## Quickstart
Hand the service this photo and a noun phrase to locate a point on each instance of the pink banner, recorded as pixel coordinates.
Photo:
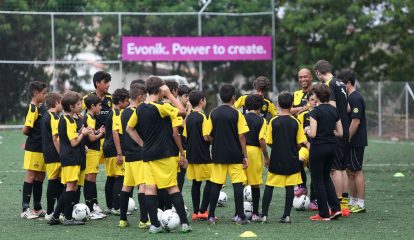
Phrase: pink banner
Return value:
(196, 48)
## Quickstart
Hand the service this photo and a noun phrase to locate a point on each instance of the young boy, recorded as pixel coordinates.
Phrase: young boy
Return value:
(284, 135)
(228, 127)
(198, 154)
(152, 122)
(51, 147)
(261, 87)
(256, 148)
(34, 162)
(114, 159)
(93, 155)
(134, 169)
(70, 156)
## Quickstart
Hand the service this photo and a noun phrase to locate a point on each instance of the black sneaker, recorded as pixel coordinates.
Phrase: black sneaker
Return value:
(54, 221)
(72, 222)
(285, 220)
(240, 221)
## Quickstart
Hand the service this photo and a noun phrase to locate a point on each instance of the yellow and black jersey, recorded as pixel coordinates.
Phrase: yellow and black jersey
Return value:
(179, 122)
(82, 149)
(90, 121)
(300, 98)
(196, 127)
(304, 120)
(113, 123)
(257, 126)
(268, 106)
(338, 94)
(34, 138)
(284, 134)
(49, 126)
(107, 106)
(153, 122)
(226, 124)
(131, 150)
(67, 130)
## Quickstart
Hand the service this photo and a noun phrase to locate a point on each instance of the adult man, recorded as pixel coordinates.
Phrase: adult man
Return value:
(300, 96)
(338, 99)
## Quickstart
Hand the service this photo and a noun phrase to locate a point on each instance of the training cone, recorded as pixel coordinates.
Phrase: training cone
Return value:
(248, 234)
(399, 174)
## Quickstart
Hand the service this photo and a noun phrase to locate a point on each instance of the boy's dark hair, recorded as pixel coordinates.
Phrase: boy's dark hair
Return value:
(120, 95)
(322, 66)
(36, 86)
(153, 84)
(101, 75)
(322, 92)
(285, 100)
(70, 99)
(347, 76)
(172, 85)
(137, 81)
(183, 89)
(261, 84)
(90, 100)
(254, 102)
(51, 99)
(227, 91)
(309, 95)
(195, 97)
(136, 90)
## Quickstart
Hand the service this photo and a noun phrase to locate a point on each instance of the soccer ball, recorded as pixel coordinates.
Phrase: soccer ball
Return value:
(222, 199)
(301, 203)
(187, 212)
(170, 220)
(247, 193)
(248, 209)
(159, 214)
(131, 205)
(80, 212)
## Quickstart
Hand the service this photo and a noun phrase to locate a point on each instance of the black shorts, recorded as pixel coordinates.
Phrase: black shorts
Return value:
(355, 158)
(339, 162)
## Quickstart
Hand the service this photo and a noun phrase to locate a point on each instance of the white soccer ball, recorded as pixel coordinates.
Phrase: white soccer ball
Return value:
(222, 199)
(248, 209)
(247, 193)
(80, 212)
(170, 220)
(159, 214)
(187, 212)
(131, 205)
(301, 203)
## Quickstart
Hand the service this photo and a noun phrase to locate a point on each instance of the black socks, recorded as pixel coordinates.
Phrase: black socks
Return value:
(124, 200)
(256, 199)
(109, 186)
(70, 201)
(27, 194)
(178, 201)
(267, 198)
(54, 190)
(206, 197)
(214, 195)
(116, 192)
(288, 200)
(151, 203)
(142, 208)
(37, 195)
(195, 195)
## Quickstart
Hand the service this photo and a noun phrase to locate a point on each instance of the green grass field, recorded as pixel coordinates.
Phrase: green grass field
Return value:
(389, 200)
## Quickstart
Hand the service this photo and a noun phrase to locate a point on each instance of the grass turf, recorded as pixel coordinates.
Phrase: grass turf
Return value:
(389, 200)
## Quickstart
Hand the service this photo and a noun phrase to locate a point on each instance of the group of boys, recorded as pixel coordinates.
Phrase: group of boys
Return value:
(155, 133)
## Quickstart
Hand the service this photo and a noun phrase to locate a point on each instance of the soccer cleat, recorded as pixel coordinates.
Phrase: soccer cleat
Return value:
(72, 222)
(335, 215)
(211, 220)
(185, 228)
(203, 216)
(301, 191)
(318, 218)
(48, 216)
(345, 212)
(357, 209)
(54, 221)
(235, 218)
(313, 206)
(96, 216)
(107, 211)
(285, 220)
(128, 213)
(240, 221)
(39, 213)
(264, 219)
(195, 217)
(352, 207)
(96, 208)
(28, 214)
(144, 225)
(115, 212)
(123, 224)
(256, 218)
(154, 229)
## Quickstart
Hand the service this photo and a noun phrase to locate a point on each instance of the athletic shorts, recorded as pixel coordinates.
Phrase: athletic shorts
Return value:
(254, 171)
(134, 173)
(220, 171)
(304, 156)
(161, 172)
(355, 158)
(101, 158)
(53, 170)
(178, 163)
(339, 162)
(92, 161)
(112, 169)
(71, 174)
(34, 161)
(276, 180)
(81, 181)
(199, 172)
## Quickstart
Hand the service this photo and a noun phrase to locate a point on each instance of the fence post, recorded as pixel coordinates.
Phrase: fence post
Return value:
(379, 110)
(121, 74)
(406, 110)
(52, 31)
(272, 4)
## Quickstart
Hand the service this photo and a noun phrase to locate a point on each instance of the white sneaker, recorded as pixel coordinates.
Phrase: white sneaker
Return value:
(116, 212)
(95, 216)
(129, 213)
(101, 214)
(256, 218)
(48, 216)
(96, 208)
(28, 214)
(40, 213)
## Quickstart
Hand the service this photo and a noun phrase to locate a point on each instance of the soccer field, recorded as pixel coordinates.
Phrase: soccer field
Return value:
(389, 200)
